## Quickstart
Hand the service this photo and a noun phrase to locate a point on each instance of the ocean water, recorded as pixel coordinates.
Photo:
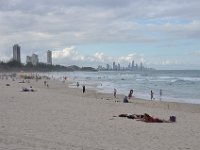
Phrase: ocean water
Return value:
(176, 85)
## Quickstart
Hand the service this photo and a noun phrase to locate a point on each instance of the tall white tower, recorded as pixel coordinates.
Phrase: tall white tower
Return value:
(16, 53)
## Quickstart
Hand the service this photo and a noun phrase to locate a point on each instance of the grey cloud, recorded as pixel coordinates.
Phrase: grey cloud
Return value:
(50, 5)
(71, 56)
(178, 31)
(131, 9)
(51, 24)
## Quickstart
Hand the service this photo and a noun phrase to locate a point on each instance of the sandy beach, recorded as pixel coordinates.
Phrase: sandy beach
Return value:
(62, 118)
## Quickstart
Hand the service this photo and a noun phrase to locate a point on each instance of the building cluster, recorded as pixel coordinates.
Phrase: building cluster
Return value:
(34, 60)
(117, 67)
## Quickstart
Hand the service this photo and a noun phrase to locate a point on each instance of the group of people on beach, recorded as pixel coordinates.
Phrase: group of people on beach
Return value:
(160, 93)
(130, 95)
(84, 88)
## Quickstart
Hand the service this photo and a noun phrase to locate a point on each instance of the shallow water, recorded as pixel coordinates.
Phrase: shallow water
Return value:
(179, 86)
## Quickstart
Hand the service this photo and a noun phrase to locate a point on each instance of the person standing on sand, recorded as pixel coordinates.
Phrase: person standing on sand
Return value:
(160, 94)
(83, 89)
(152, 95)
(115, 93)
(77, 84)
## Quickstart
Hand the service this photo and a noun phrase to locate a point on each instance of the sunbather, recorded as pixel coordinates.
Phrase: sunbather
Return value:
(146, 118)
(131, 116)
(24, 89)
(150, 119)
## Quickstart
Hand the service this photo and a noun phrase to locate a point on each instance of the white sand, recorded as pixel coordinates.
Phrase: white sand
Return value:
(60, 118)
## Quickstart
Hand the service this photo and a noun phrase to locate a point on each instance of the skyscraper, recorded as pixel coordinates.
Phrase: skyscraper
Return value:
(114, 66)
(28, 59)
(107, 66)
(133, 64)
(49, 57)
(16, 53)
(34, 59)
(118, 67)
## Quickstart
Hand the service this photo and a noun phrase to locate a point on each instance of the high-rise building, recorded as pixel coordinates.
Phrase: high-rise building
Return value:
(114, 66)
(141, 66)
(16, 53)
(32, 59)
(49, 57)
(133, 64)
(100, 67)
(35, 59)
(28, 59)
(107, 66)
(118, 67)
(129, 66)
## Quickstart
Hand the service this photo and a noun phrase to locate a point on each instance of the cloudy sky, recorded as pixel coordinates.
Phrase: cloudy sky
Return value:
(163, 34)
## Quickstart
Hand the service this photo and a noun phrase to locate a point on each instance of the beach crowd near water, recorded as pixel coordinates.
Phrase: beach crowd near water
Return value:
(45, 111)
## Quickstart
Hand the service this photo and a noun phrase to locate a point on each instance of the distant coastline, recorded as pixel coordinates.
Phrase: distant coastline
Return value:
(14, 66)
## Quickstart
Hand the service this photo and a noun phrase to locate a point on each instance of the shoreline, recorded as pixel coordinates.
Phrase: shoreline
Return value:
(167, 105)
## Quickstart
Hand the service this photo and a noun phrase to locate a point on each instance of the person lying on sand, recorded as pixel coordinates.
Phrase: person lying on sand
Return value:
(24, 89)
(131, 116)
(22, 81)
(147, 118)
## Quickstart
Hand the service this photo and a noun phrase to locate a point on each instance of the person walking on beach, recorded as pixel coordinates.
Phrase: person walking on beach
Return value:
(115, 93)
(45, 83)
(65, 78)
(77, 84)
(130, 94)
(152, 95)
(160, 94)
(83, 89)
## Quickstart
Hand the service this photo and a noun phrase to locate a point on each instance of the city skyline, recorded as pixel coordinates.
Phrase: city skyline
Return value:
(130, 67)
(34, 60)
(160, 34)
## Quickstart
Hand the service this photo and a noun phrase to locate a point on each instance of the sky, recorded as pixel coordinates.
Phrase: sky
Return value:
(162, 34)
